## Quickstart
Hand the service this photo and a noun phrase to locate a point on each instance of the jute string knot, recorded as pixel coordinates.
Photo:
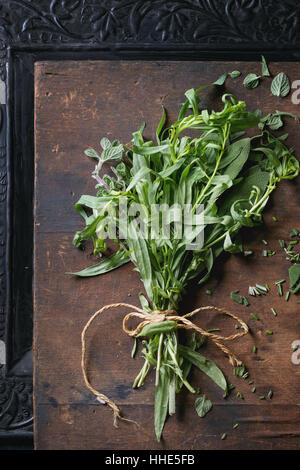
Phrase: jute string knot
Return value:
(158, 316)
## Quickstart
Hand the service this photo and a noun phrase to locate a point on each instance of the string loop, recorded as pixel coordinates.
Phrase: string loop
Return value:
(158, 316)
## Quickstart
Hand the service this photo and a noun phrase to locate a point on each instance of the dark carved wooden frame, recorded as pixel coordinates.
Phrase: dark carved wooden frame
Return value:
(32, 30)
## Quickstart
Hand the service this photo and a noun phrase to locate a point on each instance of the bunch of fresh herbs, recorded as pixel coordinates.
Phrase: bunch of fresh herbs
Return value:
(232, 176)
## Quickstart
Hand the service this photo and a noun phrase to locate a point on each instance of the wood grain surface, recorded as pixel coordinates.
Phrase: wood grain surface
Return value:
(76, 104)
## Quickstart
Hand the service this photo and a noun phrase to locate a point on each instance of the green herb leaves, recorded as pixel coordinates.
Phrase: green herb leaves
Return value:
(108, 264)
(221, 80)
(251, 80)
(264, 67)
(201, 160)
(206, 366)
(239, 298)
(112, 151)
(161, 401)
(280, 85)
(294, 274)
(203, 405)
(235, 74)
(274, 120)
(155, 328)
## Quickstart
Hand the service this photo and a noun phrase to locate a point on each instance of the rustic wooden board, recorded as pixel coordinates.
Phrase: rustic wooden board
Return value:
(77, 103)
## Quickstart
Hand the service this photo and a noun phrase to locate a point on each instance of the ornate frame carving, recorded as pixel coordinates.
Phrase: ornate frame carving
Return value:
(32, 30)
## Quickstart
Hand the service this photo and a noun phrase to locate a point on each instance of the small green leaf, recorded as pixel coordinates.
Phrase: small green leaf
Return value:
(235, 74)
(274, 122)
(85, 234)
(105, 143)
(236, 297)
(193, 100)
(144, 302)
(203, 405)
(251, 80)
(280, 85)
(221, 80)
(239, 371)
(264, 67)
(294, 274)
(92, 153)
(294, 233)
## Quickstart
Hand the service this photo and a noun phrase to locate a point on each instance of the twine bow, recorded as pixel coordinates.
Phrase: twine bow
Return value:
(158, 316)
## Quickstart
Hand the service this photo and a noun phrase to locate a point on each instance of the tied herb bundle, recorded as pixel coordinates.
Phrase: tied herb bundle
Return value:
(231, 176)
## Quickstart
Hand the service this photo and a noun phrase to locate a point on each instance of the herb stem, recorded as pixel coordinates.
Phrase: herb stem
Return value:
(158, 359)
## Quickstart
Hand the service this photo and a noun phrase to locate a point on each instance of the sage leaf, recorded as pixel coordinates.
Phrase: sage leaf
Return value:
(92, 153)
(280, 85)
(105, 143)
(252, 177)
(238, 153)
(112, 152)
(294, 275)
(203, 405)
